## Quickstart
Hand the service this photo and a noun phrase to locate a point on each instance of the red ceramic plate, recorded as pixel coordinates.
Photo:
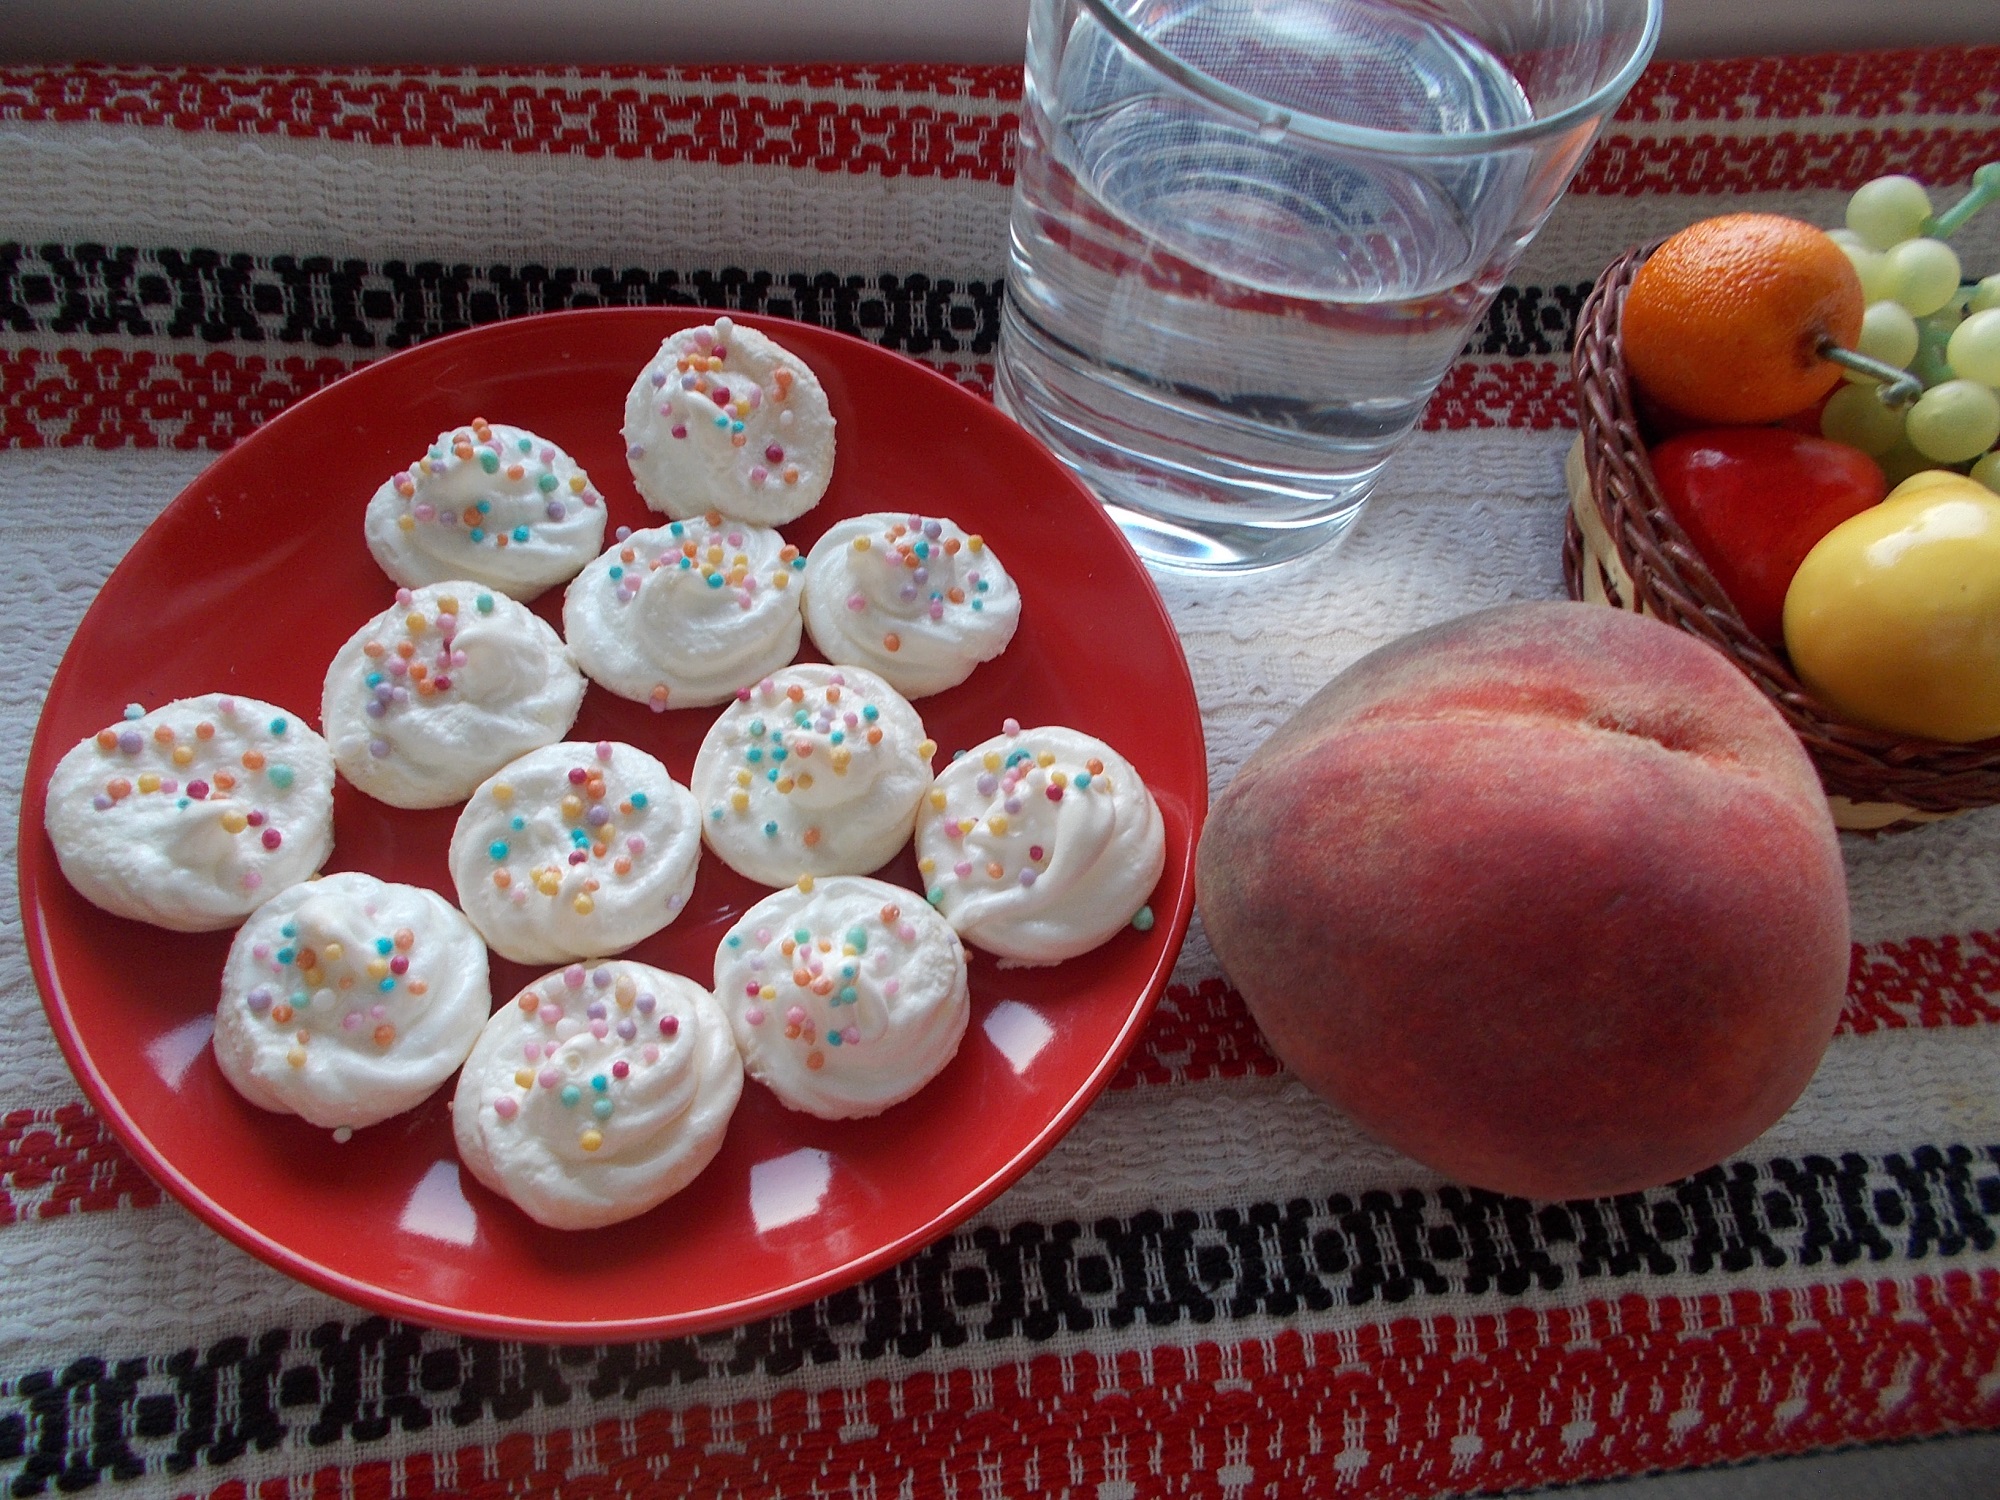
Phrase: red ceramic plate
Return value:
(251, 579)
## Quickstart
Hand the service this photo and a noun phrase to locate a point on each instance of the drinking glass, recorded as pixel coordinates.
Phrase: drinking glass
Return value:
(1249, 237)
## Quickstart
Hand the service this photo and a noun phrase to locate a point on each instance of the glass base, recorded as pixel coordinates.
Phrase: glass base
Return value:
(1164, 541)
(1178, 518)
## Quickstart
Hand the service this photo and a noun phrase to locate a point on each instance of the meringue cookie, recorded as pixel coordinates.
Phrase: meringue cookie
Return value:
(432, 696)
(346, 1000)
(846, 995)
(913, 598)
(597, 1093)
(488, 502)
(575, 850)
(681, 616)
(1040, 844)
(724, 419)
(194, 815)
(815, 771)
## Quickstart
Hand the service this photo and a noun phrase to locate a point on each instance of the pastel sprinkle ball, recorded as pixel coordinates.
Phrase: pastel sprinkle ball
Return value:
(554, 1013)
(182, 762)
(601, 847)
(318, 974)
(808, 977)
(1013, 776)
(1142, 919)
(711, 554)
(410, 665)
(508, 465)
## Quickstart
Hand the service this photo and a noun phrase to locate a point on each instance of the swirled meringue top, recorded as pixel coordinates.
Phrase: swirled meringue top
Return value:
(488, 502)
(847, 994)
(913, 598)
(347, 999)
(683, 615)
(724, 419)
(815, 771)
(193, 815)
(575, 850)
(442, 689)
(1040, 844)
(597, 1093)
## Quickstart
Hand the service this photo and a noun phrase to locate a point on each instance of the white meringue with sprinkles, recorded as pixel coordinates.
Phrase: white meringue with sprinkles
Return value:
(443, 688)
(683, 615)
(1040, 844)
(489, 502)
(725, 419)
(915, 599)
(575, 850)
(192, 816)
(597, 1093)
(847, 995)
(817, 770)
(349, 999)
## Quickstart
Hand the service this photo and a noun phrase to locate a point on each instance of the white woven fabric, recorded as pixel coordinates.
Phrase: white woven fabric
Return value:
(345, 200)
(1466, 517)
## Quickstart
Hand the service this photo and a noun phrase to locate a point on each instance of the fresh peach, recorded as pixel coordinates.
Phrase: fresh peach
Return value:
(1547, 897)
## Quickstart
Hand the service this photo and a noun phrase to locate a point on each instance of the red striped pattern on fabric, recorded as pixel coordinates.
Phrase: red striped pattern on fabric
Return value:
(120, 398)
(1864, 85)
(1923, 982)
(737, 115)
(1206, 1032)
(1197, 1032)
(1532, 393)
(65, 1160)
(1834, 161)
(81, 85)
(1389, 1411)
(625, 114)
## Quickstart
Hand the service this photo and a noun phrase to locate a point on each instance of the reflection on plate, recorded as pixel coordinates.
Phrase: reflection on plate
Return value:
(254, 576)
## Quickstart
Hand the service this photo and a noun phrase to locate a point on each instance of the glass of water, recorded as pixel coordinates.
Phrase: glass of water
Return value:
(1249, 237)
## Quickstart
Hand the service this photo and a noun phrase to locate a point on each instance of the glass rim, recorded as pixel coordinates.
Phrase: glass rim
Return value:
(1266, 116)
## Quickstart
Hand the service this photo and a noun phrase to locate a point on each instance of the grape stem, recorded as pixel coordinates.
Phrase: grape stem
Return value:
(1985, 189)
(1897, 388)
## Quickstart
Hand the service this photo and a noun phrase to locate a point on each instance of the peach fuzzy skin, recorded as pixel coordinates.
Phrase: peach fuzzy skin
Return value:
(1547, 897)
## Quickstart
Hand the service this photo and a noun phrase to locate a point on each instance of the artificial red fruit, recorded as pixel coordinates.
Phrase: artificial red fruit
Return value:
(1755, 500)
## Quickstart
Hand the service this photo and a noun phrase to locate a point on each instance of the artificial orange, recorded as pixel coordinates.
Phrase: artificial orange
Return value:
(1726, 320)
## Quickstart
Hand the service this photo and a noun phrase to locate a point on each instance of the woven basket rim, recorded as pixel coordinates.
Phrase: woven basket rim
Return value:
(1671, 581)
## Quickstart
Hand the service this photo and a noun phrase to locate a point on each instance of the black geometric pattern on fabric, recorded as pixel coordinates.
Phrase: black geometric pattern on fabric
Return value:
(207, 296)
(317, 302)
(102, 1418)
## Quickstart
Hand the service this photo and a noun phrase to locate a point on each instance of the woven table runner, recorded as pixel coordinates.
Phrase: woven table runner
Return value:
(1214, 1286)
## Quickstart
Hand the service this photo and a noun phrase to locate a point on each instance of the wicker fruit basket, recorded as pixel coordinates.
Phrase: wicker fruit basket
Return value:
(1622, 547)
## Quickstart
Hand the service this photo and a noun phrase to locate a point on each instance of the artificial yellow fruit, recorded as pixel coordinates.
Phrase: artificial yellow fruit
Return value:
(1926, 479)
(1893, 619)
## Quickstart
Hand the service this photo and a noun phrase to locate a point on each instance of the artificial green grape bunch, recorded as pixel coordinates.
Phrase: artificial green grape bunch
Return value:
(1924, 317)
